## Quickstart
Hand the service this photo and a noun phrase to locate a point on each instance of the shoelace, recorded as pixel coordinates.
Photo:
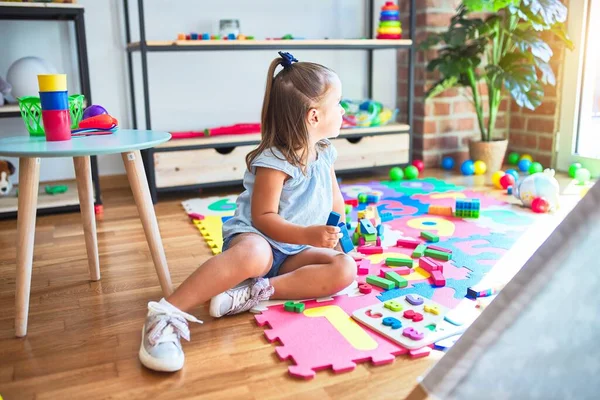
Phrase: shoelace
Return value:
(258, 290)
(170, 325)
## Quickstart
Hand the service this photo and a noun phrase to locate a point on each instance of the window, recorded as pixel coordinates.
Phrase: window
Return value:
(579, 136)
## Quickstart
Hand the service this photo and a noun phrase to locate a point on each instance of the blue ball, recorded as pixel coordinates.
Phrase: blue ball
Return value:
(468, 167)
(524, 165)
(448, 163)
(514, 173)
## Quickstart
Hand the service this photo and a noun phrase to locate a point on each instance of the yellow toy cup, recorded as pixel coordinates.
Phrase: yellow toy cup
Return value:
(52, 83)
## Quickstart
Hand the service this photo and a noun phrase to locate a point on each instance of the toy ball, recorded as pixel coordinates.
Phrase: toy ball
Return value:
(535, 168)
(22, 75)
(524, 165)
(514, 173)
(540, 205)
(448, 163)
(396, 174)
(411, 172)
(479, 167)
(419, 164)
(526, 157)
(506, 181)
(496, 179)
(573, 168)
(93, 110)
(513, 158)
(467, 167)
(538, 185)
(582, 175)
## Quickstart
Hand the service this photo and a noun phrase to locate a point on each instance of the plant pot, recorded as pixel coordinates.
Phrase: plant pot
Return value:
(491, 153)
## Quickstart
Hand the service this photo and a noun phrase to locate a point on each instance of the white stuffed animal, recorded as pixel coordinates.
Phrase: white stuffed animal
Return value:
(6, 170)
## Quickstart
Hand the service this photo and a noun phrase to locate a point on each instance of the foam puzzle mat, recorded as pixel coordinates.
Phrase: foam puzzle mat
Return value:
(476, 245)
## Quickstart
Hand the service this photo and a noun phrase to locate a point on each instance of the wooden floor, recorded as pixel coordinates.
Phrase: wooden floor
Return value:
(84, 336)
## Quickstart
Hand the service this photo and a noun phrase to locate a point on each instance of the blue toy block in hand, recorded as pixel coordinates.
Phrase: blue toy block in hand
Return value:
(334, 219)
(345, 240)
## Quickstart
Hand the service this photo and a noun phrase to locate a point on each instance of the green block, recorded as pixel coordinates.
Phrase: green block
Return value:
(380, 282)
(419, 251)
(398, 262)
(430, 237)
(370, 238)
(355, 238)
(56, 189)
(438, 255)
(293, 307)
(397, 279)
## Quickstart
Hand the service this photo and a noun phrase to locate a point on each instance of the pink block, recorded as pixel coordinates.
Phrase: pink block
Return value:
(196, 216)
(402, 270)
(429, 265)
(408, 243)
(438, 278)
(370, 249)
(361, 241)
(378, 242)
(362, 270)
(439, 249)
(313, 344)
(357, 257)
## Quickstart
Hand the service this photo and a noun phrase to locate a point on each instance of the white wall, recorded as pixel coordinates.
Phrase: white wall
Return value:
(192, 90)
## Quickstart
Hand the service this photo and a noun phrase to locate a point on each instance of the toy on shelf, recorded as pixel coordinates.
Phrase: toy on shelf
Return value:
(538, 185)
(7, 169)
(208, 36)
(389, 22)
(448, 163)
(237, 129)
(467, 208)
(366, 113)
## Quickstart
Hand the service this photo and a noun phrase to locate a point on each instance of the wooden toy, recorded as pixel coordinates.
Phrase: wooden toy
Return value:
(422, 321)
(419, 251)
(440, 210)
(439, 255)
(398, 262)
(430, 237)
(380, 282)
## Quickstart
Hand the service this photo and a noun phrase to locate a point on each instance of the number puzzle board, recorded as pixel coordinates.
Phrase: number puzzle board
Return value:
(374, 317)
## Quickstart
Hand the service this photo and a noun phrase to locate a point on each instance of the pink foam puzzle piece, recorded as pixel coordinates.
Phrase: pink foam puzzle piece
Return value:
(449, 198)
(444, 227)
(445, 296)
(314, 344)
(420, 353)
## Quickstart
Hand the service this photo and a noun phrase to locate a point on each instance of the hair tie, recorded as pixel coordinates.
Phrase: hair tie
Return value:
(288, 59)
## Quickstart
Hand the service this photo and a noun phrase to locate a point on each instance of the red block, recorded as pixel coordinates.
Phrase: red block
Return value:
(362, 270)
(438, 278)
(429, 264)
(370, 249)
(352, 202)
(402, 270)
(408, 243)
(439, 249)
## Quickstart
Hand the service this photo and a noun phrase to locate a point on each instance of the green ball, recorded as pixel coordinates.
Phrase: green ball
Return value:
(582, 176)
(535, 167)
(573, 169)
(396, 174)
(513, 158)
(411, 172)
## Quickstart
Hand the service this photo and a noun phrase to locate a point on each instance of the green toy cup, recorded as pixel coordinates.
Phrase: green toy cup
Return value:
(31, 112)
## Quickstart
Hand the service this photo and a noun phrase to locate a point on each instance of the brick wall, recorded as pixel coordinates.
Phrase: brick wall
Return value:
(445, 124)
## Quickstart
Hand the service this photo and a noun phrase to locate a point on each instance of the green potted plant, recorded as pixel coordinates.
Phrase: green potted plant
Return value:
(504, 47)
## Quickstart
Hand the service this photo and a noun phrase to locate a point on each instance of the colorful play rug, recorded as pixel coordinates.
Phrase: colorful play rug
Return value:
(324, 335)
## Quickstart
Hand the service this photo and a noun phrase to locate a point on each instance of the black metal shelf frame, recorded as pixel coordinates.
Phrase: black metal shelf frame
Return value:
(59, 13)
(144, 48)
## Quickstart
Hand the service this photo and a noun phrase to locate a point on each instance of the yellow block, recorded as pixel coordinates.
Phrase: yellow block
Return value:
(389, 30)
(345, 325)
(52, 83)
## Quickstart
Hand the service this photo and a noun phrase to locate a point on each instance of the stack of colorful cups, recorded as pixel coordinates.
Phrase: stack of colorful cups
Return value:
(54, 100)
(389, 22)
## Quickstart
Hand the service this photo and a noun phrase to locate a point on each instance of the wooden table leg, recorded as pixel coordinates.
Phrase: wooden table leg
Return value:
(29, 177)
(83, 172)
(141, 193)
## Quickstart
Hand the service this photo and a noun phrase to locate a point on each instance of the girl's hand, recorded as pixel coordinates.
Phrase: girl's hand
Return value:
(322, 236)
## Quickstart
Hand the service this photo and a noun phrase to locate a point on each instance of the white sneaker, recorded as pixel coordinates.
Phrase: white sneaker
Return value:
(165, 325)
(241, 298)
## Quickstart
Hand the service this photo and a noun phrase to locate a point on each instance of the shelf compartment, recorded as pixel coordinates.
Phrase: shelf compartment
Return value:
(69, 199)
(10, 111)
(183, 168)
(316, 44)
(254, 138)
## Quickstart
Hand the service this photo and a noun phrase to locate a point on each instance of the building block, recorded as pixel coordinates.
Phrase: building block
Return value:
(386, 217)
(370, 249)
(419, 251)
(403, 271)
(293, 307)
(445, 211)
(366, 227)
(361, 241)
(372, 198)
(351, 202)
(398, 262)
(438, 278)
(439, 255)
(370, 238)
(380, 282)
(430, 237)
(396, 278)
(345, 241)
(364, 288)
(334, 219)
(379, 230)
(408, 243)
(347, 208)
(362, 270)
(467, 208)
(438, 248)
(429, 265)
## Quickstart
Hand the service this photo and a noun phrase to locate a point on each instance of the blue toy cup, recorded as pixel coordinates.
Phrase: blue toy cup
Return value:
(53, 101)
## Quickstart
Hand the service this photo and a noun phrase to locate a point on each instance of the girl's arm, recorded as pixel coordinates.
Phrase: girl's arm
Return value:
(268, 185)
(338, 200)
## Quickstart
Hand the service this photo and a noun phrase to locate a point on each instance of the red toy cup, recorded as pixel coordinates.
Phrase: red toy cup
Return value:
(57, 125)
